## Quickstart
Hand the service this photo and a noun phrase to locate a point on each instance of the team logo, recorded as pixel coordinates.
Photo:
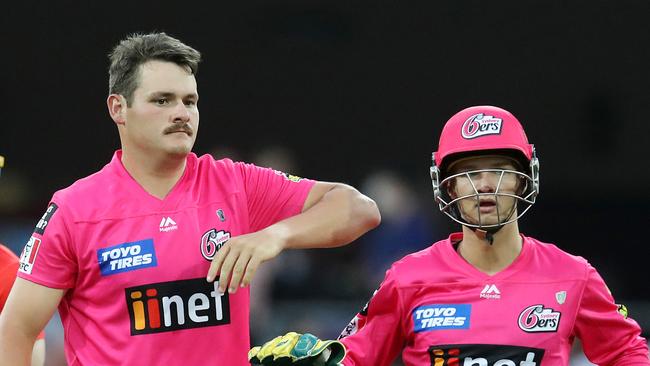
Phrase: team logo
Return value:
(127, 257)
(45, 219)
(560, 297)
(490, 292)
(485, 355)
(212, 241)
(28, 256)
(438, 317)
(167, 224)
(166, 306)
(537, 318)
(481, 125)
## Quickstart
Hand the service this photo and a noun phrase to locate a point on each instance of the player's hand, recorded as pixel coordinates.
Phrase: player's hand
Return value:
(294, 348)
(236, 262)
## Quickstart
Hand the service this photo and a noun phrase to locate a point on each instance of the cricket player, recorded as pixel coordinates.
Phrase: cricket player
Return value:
(149, 259)
(485, 296)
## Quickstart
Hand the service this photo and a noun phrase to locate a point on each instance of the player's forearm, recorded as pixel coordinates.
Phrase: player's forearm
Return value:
(342, 215)
(15, 346)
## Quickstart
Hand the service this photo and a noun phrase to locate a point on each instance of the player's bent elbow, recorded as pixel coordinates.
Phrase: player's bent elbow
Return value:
(362, 217)
(367, 212)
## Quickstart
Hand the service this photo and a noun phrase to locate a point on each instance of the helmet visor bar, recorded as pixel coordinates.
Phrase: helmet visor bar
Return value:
(504, 189)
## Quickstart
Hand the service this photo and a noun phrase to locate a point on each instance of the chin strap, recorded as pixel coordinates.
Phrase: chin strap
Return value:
(487, 235)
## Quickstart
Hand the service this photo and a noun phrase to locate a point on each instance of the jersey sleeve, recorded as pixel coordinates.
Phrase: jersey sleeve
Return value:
(272, 195)
(48, 258)
(376, 336)
(608, 336)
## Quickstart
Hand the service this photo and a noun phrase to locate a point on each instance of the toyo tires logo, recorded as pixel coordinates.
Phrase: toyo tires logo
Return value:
(480, 125)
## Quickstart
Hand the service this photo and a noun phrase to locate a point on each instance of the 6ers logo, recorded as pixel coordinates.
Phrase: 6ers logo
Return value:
(480, 124)
(537, 318)
(212, 241)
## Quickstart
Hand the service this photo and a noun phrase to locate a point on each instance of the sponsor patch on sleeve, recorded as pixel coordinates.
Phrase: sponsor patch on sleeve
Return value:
(45, 219)
(28, 256)
(289, 177)
(441, 316)
(127, 257)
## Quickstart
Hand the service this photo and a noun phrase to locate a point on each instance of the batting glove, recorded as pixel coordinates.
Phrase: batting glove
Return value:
(297, 349)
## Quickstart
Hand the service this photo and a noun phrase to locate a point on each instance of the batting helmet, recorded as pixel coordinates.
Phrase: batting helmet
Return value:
(477, 131)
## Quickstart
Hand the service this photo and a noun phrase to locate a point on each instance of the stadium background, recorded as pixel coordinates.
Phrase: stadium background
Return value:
(355, 92)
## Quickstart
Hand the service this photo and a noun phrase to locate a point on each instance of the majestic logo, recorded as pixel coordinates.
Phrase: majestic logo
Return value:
(166, 306)
(28, 256)
(45, 219)
(167, 224)
(560, 297)
(481, 125)
(490, 292)
(126, 257)
(212, 241)
(438, 317)
(537, 318)
(485, 355)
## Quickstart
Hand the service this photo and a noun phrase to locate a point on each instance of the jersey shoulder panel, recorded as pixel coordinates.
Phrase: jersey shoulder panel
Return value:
(216, 176)
(415, 268)
(92, 196)
(546, 255)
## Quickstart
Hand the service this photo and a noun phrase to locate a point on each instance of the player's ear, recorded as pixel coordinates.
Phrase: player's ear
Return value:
(116, 104)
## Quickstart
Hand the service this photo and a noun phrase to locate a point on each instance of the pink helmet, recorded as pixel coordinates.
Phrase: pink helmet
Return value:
(483, 130)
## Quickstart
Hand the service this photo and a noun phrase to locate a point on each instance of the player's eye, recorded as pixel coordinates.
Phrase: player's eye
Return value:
(162, 101)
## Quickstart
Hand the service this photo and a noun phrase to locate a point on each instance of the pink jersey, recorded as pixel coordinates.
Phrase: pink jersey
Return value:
(439, 310)
(135, 265)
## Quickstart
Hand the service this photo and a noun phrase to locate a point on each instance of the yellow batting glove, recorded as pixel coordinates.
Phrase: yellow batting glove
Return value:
(294, 348)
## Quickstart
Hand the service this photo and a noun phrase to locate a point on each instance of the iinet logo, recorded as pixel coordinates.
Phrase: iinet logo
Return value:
(485, 355)
(166, 306)
(490, 292)
(167, 224)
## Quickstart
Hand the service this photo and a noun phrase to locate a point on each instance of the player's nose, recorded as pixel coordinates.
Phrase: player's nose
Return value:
(181, 113)
(485, 182)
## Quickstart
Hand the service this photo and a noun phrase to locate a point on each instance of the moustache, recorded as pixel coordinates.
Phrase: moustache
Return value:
(180, 128)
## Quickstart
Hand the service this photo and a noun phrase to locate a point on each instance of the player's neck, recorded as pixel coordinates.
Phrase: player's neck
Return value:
(493, 258)
(156, 174)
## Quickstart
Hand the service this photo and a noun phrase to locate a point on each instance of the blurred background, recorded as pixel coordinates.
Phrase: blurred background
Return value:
(354, 91)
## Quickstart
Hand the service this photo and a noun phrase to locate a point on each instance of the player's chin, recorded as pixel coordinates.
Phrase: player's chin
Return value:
(180, 150)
